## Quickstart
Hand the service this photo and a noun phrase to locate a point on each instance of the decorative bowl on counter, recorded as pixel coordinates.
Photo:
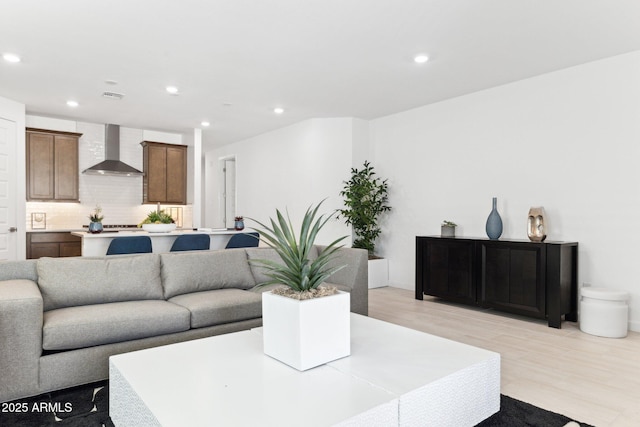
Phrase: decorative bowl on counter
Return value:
(159, 228)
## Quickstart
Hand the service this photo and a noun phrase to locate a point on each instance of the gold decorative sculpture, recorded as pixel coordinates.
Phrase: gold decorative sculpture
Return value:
(536, 228)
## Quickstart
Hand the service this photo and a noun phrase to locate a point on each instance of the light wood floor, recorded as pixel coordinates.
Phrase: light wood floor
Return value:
(590, 379)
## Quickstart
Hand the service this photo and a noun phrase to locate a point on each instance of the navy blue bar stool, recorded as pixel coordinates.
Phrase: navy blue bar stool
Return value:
(129, 245)
(243, 240)
(191, 242)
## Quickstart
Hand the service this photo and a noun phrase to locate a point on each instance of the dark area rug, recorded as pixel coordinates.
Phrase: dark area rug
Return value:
(83, 406)
(88, 406)
(514, 413)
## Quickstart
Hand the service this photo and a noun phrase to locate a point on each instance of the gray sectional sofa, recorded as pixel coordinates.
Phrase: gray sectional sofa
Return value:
(61, 318)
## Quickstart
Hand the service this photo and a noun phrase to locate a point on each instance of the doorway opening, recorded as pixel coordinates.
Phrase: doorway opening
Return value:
(227, 167)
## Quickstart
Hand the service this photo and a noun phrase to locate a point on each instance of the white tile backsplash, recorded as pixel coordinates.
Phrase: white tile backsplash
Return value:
(119, 197)
(90, 146)
(74, 215)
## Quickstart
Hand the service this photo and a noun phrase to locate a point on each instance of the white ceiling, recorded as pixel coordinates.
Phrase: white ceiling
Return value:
(315, 58)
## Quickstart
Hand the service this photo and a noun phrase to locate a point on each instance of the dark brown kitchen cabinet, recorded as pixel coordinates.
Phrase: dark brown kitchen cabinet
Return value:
(165, 173)
(52, 165)
(522, 277)
(53, 244)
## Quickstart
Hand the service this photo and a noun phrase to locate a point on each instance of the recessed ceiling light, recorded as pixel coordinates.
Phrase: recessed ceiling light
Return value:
(111, 82)
(205, 123)
(420, 58)
(11, 57)
(278, 110)
(72, 103)
(172, 90)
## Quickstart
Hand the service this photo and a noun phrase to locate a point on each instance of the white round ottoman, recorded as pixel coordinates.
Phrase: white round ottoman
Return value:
(604, 312)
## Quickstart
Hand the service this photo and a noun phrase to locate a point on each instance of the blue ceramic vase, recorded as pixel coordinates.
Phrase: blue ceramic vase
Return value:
(494, 222)
(95, 227)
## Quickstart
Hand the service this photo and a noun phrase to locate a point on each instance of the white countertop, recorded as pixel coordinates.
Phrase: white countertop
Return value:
(98, 244)
(177, 232)
(54, 230)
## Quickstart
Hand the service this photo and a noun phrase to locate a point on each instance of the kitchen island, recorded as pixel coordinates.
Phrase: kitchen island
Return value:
(97, 244)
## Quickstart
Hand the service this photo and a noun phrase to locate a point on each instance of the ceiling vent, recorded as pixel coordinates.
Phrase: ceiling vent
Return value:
(113, 95)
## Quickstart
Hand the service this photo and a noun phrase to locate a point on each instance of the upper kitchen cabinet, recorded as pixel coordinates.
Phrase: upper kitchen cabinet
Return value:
(165, 173)
(52, 165)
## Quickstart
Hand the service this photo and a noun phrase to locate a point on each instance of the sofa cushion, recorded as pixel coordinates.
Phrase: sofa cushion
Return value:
(68, 282)
(258, 270)
(26, 269)
(91, 325)
(211, 308)
(184, 273)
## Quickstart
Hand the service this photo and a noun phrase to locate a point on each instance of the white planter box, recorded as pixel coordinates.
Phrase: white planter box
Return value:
(308, 333)
(378, 273)
(159, 228)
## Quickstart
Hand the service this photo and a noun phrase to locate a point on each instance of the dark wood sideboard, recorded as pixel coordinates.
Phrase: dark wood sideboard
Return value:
(516, 276)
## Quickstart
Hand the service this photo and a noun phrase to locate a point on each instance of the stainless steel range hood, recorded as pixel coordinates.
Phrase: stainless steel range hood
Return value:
(112, 164)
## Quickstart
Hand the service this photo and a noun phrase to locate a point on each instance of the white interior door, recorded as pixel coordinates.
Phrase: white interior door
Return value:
(8, 235)
(230, 192)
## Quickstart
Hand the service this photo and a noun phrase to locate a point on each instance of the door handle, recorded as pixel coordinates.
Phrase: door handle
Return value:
(13, 229)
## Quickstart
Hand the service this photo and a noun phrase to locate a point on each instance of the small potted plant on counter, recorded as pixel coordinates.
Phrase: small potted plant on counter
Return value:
(95, 218)
(448, 229)
(158, 222)
(239, 223)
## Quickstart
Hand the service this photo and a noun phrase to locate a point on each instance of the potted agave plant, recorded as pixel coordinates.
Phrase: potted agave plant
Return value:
(158, 222)
(305, 322)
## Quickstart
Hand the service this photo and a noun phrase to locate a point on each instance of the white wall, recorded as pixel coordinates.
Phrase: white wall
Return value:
(361, 147)
(194, 183)
(15, 112)
(293, 167)
(568, 141)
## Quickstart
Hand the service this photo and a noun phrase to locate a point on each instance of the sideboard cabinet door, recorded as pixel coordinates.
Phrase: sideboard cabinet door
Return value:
(448, 271)
(512, 277)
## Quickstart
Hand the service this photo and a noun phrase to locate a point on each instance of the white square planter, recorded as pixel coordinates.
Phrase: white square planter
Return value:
(308, 333)
(378, 273)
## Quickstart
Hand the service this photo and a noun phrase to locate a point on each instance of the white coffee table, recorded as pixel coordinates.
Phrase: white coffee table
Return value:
(394, 376)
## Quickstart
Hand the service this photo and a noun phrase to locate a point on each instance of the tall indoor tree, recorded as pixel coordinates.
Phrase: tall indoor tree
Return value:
(365, 199)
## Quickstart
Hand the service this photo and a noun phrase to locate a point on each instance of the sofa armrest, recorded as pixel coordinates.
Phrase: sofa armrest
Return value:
(20, 338)
(354, 278)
